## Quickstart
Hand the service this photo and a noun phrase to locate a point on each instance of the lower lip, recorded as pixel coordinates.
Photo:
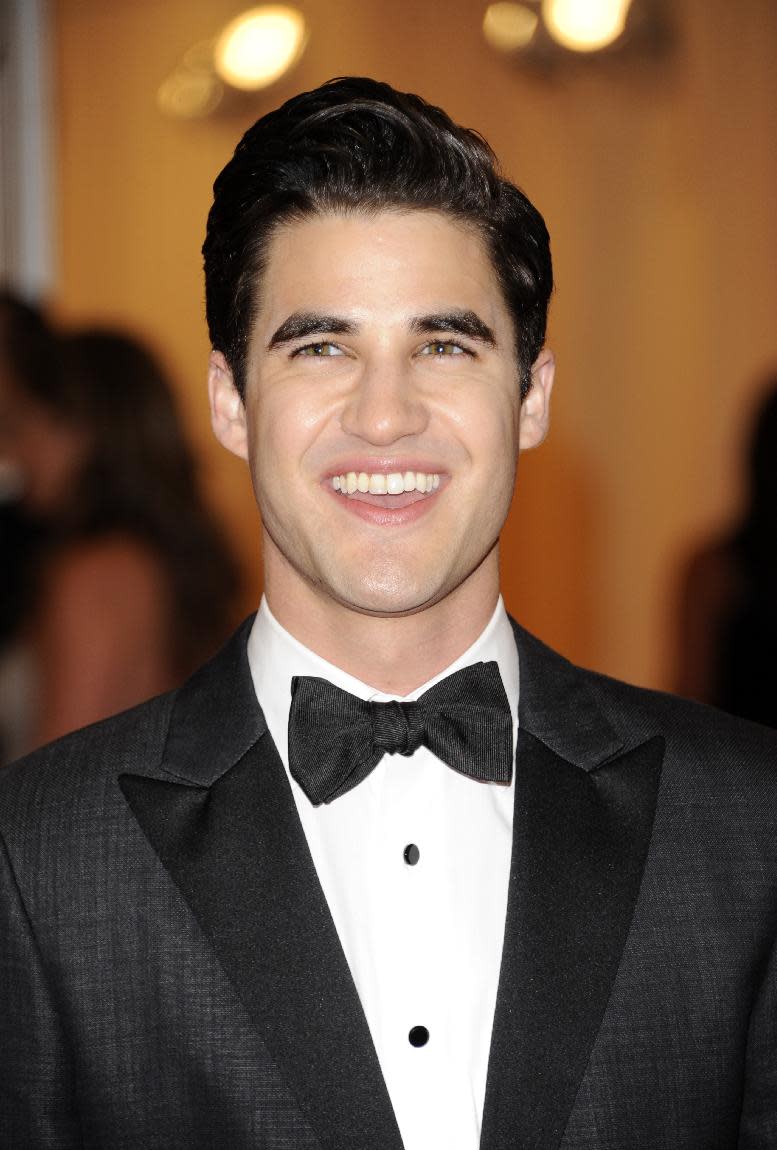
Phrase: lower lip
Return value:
(381, 514)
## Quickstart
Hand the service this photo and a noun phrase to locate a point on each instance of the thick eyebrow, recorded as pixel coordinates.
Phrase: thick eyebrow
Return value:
(301, 324)
(460, 322)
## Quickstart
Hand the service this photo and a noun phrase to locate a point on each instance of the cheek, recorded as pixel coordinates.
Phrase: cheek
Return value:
(494, 453)
(489, 429)
(279, 452)
(286, 423)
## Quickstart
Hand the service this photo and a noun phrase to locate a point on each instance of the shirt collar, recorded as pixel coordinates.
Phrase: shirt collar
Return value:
(275, 657)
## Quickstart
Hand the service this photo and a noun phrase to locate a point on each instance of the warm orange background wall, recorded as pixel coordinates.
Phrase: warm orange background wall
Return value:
(658, 180)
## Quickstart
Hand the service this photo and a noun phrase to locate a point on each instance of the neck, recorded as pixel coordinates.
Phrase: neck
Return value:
(394, 654)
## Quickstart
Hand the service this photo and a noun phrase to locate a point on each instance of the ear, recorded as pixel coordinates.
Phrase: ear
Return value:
(227, 410)
(535, 409)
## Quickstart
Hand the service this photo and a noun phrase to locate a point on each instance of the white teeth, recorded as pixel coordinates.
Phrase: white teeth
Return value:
(378, 483)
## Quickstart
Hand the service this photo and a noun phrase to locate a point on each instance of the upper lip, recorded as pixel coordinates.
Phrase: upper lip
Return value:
(383, 467)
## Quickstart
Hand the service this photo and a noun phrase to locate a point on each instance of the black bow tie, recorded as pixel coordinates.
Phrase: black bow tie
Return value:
(335, 739)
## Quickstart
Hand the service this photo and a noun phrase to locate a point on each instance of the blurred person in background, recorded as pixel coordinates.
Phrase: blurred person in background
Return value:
(27, 355)
(137, 584)
(727, 625)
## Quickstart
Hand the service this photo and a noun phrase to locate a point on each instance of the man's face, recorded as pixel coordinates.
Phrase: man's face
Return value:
(382, 357)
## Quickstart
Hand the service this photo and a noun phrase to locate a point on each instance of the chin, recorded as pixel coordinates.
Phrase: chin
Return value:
(389, 598)
(390, 595)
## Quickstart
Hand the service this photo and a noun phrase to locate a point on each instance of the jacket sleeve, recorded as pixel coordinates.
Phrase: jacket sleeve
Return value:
(37, 1083)
(758, 1127)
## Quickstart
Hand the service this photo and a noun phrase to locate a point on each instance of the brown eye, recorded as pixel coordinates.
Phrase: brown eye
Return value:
(443, 347)
(318, 350)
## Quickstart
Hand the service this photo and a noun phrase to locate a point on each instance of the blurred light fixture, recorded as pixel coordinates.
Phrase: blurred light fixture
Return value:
(193, 90)
(585, 25)
(549, 34)
(252, 52)
(508, 26)
(257, 47)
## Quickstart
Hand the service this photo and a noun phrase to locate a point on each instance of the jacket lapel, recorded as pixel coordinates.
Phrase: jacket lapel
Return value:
(222, 819)
(584, 808)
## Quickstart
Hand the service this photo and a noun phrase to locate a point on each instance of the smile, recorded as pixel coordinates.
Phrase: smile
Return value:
(380, 483)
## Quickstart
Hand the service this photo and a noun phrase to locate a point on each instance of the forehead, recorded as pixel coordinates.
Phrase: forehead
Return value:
(388, 261)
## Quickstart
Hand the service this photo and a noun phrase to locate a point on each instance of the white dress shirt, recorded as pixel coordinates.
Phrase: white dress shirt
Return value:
(423, 940)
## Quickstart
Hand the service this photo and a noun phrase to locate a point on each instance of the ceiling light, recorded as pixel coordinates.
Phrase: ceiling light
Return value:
(257, 47)
(585, 25)
(509, 27)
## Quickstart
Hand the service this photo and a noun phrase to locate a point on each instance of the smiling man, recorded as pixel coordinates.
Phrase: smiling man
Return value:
(387, 872)
(381, 416)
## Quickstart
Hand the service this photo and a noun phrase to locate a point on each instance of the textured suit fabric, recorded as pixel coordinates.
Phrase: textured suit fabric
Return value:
(130, 1035)
(170, 976)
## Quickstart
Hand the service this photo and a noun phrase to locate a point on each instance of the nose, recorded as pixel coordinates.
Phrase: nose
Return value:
(384, 406)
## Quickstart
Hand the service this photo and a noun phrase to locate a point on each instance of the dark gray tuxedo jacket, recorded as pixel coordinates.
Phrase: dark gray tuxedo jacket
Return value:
(171, 976)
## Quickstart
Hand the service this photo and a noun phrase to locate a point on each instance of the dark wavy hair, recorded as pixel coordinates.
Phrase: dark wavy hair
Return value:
(139, 477)
(755, 538)
(28, 345)
(355, 144)
(28, 354)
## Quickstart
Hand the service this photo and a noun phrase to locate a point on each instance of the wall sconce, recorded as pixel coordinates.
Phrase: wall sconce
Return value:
(259, 46)
(251, 52)
(585, 25)
(546, 31)
(509, 27)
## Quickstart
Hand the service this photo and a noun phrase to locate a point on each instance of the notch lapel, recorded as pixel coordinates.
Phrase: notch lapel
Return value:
(581, 834)
(223, 821)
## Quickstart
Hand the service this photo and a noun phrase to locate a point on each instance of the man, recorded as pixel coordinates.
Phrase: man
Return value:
(388, 872)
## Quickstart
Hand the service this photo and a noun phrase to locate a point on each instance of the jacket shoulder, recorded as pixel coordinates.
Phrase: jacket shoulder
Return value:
(74, 772)
(691, 730)
(684, 721)
(78, 773)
